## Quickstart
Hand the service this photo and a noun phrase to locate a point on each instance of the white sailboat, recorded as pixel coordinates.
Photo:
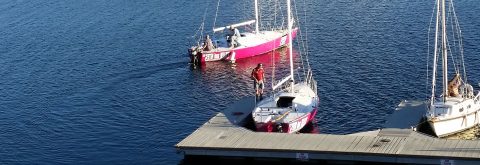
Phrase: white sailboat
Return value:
(456, 109)
(292, 105)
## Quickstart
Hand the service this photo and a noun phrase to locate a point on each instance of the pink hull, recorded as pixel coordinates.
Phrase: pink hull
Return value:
(263, 48)
(285, 127)
(244, 52)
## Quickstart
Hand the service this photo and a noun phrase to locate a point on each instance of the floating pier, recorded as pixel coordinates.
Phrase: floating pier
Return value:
(224, 136)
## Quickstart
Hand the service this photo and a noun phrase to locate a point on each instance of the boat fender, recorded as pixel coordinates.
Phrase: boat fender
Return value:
(232, 56)
(469, 90)
(466, 90)
(279, 127)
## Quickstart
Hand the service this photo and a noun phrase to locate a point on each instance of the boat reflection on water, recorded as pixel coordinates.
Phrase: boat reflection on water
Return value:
(241, 69)
(227, 79)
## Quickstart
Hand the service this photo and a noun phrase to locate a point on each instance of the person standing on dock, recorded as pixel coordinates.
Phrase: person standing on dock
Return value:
(258, 76)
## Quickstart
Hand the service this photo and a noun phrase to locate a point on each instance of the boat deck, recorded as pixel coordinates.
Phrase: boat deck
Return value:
(223, 136)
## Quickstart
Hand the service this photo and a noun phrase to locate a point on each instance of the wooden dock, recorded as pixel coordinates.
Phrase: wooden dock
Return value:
(223, 136)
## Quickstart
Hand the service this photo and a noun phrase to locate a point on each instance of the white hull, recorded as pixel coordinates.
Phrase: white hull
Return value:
(297, 125)
(447, 127)
(454, 115)
(270, 114)
(287, 127)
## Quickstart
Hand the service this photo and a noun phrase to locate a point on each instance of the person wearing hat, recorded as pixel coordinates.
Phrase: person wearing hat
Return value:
(258, 76)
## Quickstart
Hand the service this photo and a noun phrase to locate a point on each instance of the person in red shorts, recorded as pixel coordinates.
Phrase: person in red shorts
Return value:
(258, 76)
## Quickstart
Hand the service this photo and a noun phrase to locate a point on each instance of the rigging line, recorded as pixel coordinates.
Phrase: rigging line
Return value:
(304, 38)
(198, 30)
(268, 18)
(299, 33)
(454, 49)
(260, 15)
(281, 16)
(450, 49)
(275, 14)
(300, 42)
(455, 66)
(306, 32)
(273, 69)
(452, 27)
(216, 14)
(460, 40)
(203, 25)
(428, 51)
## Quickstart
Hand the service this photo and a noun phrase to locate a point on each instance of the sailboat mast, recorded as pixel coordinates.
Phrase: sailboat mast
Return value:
(289, 36)
(256, 16)
(444, 53)
(434, 73)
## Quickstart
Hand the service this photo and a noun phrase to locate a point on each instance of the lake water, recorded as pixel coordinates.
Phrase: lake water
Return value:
(108, 82)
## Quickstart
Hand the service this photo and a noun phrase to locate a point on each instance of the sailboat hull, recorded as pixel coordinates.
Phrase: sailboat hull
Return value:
(450, 126)
(251, 45)
(287, 127)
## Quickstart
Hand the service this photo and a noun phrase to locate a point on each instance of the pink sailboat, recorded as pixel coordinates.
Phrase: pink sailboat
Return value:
(231, 47)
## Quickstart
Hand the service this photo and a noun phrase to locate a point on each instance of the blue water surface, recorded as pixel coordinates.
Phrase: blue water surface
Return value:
(108, 82)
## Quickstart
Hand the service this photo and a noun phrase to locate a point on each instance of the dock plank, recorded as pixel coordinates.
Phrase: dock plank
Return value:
(375, 145)
(364, 145)
(400, 144)
(395, 141)
(476, 152)
(421, 145)
(439, 143)
(354, 144)
(322, 146)
(425, 148)
(461, 149)
(447, 148)
(347, 141)
(388, 145)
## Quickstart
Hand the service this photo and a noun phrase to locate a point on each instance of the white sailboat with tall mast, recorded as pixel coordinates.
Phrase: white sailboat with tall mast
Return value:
(457, 108)
(293, 104)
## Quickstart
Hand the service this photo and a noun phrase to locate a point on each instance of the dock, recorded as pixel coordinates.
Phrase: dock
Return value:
(224, 136)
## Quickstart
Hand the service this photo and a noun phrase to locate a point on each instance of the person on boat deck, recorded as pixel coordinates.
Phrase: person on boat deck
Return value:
(208, 44)
(258, 76)
(233, 37)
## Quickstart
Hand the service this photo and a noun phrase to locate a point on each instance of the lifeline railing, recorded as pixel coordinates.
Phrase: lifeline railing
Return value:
(282, 85)
(311, 81)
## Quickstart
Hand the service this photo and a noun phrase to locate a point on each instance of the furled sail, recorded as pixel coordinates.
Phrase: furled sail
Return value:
(453, 85)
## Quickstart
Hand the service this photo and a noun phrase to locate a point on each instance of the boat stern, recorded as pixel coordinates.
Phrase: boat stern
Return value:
(196, 55)
(272, 127)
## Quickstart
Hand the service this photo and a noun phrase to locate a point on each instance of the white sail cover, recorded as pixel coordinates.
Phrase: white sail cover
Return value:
(234, 25)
